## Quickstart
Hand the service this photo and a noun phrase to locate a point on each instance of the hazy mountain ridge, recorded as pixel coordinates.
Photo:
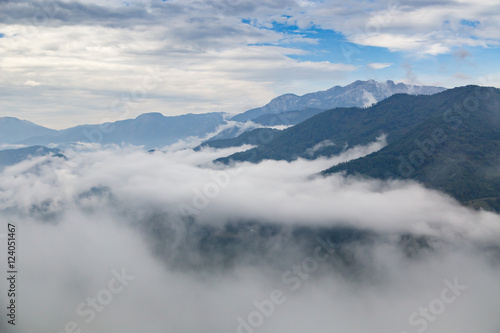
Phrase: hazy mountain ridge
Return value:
(288, 117)
(154, 130)
(10, 157)
(253, 137)
(13, 130)
(150, 129)
(356, 94)
(345, 126)
(449, 141)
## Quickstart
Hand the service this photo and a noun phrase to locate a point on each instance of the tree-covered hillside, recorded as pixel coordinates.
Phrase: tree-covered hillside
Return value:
(394, 116)
(449, 141)
(456, 151)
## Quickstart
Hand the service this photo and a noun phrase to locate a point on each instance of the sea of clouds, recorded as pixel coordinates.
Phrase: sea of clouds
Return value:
(113, 239)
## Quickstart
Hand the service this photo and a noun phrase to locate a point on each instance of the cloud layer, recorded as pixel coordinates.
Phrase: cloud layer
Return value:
(82, 219)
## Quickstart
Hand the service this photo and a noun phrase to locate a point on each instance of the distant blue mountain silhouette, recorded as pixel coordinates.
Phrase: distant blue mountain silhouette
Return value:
(151, 130)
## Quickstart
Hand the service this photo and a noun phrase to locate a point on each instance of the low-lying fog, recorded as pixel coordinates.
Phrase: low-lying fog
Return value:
(122, 240)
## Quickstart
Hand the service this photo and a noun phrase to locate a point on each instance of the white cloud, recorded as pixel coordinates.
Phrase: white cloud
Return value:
(378, 65)
(31, 83)
(368, 99)
(207, 66)
(427, 27)
(133, 223)
(283, 191)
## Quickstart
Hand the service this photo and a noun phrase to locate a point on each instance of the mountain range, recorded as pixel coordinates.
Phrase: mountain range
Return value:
(448, 141)
(456, 150)
(150, 130)
(356, 94)
(10, 157)
(13, 130)
(154, 130)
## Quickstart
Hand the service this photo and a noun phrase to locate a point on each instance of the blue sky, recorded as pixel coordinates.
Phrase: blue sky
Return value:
(74, 62)
(460, 66)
